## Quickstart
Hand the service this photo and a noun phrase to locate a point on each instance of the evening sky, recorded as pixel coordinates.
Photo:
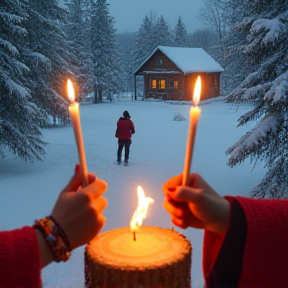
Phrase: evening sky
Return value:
(129, 14)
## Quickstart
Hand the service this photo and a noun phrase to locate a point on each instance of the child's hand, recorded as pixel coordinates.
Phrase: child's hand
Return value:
(197, 206)
(79, 210)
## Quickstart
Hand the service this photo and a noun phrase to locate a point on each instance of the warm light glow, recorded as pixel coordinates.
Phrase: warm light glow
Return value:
(197, 91)
(162, 84)
(71, 93)
(140, 213)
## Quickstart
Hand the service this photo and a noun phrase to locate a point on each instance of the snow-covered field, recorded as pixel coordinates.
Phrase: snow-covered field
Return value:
(28, 191)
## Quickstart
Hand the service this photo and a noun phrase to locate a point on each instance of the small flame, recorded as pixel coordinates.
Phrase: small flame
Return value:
(71, 93)
(140, 213)
(197, 91)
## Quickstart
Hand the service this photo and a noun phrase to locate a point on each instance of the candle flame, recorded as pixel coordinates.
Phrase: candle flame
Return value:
(71, 93)
(197, 91)
(140, 213)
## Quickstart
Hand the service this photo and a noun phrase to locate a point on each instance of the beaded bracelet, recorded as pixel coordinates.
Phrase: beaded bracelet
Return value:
(55, 237)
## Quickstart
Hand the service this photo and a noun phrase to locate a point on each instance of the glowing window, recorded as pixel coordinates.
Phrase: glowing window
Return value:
(154, 84)
(162, 84)
(175, 84)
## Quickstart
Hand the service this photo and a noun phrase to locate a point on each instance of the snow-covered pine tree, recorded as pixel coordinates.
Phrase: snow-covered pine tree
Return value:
(78, 31)
(104, 54)
(204, 38)
(266, 86)
(46, 53)
(143, 43)
(124, 47)
(236, 64)
(162, 35)
(180, 34)
(19, 116)
(152, 33)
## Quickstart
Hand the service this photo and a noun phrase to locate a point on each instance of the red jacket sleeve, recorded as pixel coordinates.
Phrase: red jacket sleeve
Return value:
(265, 260)
(19, 259)
(260, 259)
(223, 254)
(132, 127)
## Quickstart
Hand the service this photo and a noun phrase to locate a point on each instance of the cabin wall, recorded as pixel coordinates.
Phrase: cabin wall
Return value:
(170, 92)
(159, 67)
(154, 64)
(210, 85)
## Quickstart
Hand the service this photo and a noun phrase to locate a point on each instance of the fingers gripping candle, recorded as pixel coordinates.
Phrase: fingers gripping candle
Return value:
(193, 122)
(76, 123)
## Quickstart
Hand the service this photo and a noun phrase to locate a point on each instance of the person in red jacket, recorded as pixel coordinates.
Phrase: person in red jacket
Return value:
(75, 220)
(124, 131)
(245, 239)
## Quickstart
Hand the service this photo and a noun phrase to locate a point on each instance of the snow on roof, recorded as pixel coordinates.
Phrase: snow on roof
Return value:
(189, 60)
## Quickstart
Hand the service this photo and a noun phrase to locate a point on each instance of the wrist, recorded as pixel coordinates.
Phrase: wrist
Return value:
(221, 221)
(46, 255)
(55, 238)
(225, 214)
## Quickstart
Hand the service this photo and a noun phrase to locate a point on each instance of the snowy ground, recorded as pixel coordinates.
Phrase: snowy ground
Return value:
(28, 191)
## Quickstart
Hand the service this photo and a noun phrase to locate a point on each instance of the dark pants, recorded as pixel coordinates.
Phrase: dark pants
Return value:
(121, 144)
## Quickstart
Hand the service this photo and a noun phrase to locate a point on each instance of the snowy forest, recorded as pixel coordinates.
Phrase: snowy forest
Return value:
(42, 43)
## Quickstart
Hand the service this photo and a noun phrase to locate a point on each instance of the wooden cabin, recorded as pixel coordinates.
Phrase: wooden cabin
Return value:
(170, 73)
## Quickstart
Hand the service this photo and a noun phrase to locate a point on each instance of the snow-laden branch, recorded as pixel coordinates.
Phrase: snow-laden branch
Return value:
(253, 92)
(242, 147)
(275, 183)
(273, 28)
(9, 47)
(279, 89)
(13, 87)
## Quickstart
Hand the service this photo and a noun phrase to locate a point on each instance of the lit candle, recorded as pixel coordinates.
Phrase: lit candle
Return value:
(193, 122)
(141, 211)
(75, 119)
(159, 258)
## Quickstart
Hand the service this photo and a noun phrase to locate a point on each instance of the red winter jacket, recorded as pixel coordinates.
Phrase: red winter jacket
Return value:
(19, 259)
(253, 252)
(125, 128)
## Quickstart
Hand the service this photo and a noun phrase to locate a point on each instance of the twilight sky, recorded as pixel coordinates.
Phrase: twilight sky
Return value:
(129, 14)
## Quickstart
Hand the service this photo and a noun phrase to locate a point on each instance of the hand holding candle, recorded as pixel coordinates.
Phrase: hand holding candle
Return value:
(75, 119)
(193, 122)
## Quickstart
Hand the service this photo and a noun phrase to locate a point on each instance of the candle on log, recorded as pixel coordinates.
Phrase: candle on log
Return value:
(159, 258)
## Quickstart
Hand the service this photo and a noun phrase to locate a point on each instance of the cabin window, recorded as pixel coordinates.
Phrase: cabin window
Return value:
(159, 62)
(175, 84)
(162, 84)
(153, 84)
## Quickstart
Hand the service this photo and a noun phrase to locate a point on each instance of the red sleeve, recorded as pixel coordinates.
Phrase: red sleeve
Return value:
(254, 248)
(19, 259)
(223, 254)
(132, 127)
(265, 262)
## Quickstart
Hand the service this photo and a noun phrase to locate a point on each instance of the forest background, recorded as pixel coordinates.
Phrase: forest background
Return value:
(43, 43)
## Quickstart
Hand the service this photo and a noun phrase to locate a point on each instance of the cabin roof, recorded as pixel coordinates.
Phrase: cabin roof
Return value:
(189, 60)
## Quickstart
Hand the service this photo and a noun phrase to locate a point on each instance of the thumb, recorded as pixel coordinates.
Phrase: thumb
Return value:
(184, 194)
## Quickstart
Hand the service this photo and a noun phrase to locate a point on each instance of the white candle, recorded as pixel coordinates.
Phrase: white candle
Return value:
(74, 113)
(193, 122)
